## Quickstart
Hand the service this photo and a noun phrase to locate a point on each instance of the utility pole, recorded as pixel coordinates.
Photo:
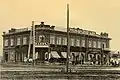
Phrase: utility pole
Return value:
(68, 45)
(33, 39)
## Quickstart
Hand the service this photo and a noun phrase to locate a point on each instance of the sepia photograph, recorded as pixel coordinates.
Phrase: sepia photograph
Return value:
(59, 40)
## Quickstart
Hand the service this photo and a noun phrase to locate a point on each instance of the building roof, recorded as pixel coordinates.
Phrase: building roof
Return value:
(58, 28)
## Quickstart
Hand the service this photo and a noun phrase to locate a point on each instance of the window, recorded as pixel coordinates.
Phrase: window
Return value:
(41, 38)
(94, 44)
(77, 42)
(83, 43)
(99, 44)
(103, 45)
(12, 42)
(18, 41)
(64, 41)
(24, 40)
(58, 40)
(89, 43)
(6, 42)
(72, 42)
(52, 39)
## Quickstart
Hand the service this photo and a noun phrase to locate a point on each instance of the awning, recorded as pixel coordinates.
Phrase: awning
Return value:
(54, 54)
(75, 53)
(64, 54)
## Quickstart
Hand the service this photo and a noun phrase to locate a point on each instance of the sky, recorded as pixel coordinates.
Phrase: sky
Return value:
(95, 15)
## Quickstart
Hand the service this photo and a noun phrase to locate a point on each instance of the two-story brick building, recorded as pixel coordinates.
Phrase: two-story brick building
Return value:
(84, 45)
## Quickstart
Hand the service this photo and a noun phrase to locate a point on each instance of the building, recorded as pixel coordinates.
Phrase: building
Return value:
(85, 45)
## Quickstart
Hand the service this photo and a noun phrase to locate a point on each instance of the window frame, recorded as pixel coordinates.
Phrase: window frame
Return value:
(24, 40)
(52, 39)
(18, 41)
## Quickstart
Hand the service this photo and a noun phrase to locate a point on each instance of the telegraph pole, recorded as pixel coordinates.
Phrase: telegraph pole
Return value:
(68, 45)
(33, 39)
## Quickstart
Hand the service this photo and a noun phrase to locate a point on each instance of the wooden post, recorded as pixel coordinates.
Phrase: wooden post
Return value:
(68, 45)
(33, 39)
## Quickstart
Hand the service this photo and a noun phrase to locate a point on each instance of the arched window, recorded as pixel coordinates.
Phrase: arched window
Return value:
(41, 38)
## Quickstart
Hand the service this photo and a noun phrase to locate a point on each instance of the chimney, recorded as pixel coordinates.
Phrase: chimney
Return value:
(52, 27)
(42, 24)
(3, 33)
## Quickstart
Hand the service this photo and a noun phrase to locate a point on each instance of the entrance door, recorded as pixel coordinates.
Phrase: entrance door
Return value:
(6, 57)
(41, 53)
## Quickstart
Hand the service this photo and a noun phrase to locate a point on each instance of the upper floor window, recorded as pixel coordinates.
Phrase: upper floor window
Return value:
(94, 44)
(83, 43)
(103, 44)
(58, 40)
(6, 42)
(12, 42)
(52, 39)
(72, 42)
(18, 41)
(99, 44)
(24, 40)
(77, 42)
(64, 41)
(41, 38)
(90, 43)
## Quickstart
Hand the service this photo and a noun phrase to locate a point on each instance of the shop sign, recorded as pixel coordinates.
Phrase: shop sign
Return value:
(81, 31)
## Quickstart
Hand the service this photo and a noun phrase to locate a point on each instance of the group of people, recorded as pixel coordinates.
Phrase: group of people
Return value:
(79, 59)
(99, 60)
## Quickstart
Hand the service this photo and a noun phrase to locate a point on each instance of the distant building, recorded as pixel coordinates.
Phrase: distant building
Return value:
(83, 43)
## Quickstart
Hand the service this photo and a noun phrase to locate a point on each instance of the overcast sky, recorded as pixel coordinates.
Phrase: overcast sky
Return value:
(96, 15)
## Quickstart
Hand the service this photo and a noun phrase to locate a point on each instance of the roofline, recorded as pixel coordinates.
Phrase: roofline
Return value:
(59, 31)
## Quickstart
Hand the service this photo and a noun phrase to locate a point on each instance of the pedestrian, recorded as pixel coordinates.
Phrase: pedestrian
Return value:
(25, 60)
(94, 60)
(91, 59)
(82, 56)
(98, 60)
(73, 59)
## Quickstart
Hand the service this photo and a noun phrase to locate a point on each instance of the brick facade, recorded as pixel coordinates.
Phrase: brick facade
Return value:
(18, 52)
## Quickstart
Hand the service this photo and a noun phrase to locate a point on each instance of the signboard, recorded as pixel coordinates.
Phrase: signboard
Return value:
(41, 44)
(81, 31)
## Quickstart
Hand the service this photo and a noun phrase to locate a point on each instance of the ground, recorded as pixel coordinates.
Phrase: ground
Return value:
(55, 71)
